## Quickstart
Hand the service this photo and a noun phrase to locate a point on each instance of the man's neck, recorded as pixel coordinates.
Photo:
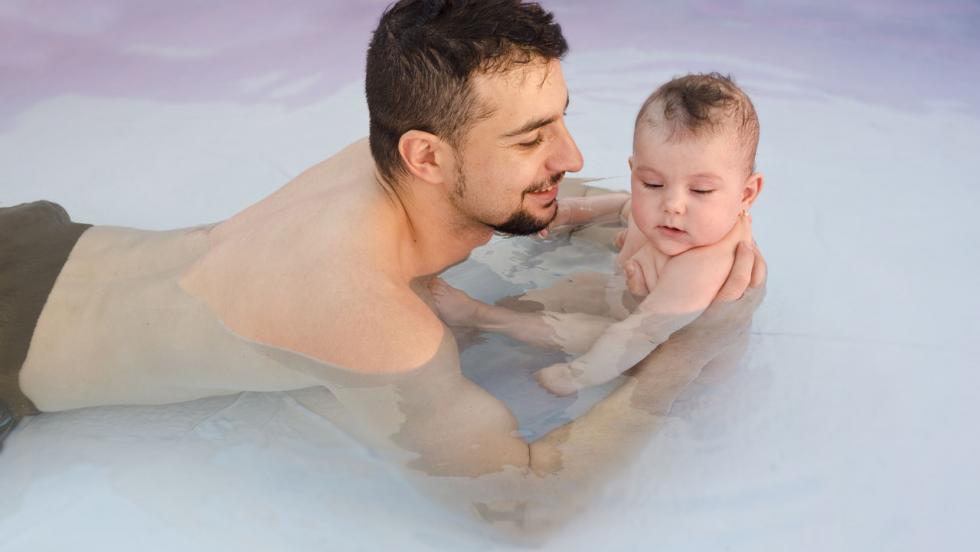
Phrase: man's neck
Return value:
(431, 233)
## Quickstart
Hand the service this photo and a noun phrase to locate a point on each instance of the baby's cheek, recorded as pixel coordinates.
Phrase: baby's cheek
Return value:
(644, 211)
(714, 230)
(644, 222)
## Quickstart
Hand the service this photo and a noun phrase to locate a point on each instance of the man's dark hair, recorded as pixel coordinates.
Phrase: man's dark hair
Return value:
(422, 57)
(698, 104)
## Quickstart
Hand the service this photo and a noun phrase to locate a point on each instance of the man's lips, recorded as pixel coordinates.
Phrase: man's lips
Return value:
(550, 192)
(546, 194)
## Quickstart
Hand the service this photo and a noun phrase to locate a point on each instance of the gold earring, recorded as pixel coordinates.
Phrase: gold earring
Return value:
(745, 212)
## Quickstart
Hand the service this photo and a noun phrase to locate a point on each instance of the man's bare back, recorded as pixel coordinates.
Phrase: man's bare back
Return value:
(319, 260)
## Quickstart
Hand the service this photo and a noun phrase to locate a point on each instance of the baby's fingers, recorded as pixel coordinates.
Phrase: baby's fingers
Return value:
(635, 280)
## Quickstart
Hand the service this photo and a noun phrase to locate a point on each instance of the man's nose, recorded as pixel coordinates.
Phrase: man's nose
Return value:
(567, 157)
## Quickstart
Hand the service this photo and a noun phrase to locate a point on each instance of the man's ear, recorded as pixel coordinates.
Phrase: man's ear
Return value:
(752, 189)
(423, 154)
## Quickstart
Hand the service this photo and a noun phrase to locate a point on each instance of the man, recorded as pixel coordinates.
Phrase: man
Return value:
(325, 281)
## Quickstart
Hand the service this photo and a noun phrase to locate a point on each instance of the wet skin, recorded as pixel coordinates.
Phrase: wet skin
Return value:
(324, 283)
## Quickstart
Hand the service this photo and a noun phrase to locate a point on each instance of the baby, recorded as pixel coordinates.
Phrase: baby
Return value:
(693, 180)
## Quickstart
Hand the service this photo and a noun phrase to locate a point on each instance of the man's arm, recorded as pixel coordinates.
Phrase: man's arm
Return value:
(576, 211)
(458, 443)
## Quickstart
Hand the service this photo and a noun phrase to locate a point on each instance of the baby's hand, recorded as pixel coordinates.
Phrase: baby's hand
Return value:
(558, 379)
(641, 269)
(629, 241)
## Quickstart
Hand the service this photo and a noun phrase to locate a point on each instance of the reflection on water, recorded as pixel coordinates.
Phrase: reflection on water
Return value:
(507, 267)
(829, 423)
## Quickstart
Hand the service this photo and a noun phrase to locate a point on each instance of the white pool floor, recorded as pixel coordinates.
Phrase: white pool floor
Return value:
(848, 426)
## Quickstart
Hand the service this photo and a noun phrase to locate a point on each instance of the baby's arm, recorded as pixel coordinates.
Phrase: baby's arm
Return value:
(617, 350)
(689, 283)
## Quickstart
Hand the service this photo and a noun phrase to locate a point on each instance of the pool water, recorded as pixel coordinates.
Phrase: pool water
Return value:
(847, 426)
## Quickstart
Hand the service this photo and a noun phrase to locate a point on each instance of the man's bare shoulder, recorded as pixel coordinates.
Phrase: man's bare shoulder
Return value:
(346, 312)
(385, 329)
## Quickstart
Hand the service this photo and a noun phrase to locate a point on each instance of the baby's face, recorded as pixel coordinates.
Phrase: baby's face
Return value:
(688, 192)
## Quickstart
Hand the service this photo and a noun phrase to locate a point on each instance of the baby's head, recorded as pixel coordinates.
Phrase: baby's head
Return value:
(693, 163)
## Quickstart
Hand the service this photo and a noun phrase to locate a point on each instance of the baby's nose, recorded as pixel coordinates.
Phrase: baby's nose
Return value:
(674, 204)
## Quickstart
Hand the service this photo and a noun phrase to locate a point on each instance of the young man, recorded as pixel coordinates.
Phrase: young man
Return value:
(324, 281)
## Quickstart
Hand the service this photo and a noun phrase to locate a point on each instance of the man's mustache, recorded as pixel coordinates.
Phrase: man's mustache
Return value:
(555, 179)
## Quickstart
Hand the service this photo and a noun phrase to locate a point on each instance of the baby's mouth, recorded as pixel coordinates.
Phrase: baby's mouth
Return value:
(670, 230)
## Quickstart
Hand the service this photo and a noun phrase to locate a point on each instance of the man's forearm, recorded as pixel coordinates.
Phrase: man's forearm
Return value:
(623, 345)
(571, 465)
(545, 484)
(609, 435)
(596, 208)
(563, 472)
(571, 332)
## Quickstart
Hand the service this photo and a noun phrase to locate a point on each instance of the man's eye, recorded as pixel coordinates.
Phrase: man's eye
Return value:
(702, 192)
(536, 142)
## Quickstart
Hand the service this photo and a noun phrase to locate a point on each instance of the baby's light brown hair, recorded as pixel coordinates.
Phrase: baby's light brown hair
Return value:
(698, 104)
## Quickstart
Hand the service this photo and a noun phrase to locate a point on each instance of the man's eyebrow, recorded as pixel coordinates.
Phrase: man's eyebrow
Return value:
(536, 123)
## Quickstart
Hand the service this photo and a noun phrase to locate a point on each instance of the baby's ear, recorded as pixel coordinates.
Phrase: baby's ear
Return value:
(630, 162)
(752, 189)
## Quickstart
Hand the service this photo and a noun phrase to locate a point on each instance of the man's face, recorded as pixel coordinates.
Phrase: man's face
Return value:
(687, 192)
(510, 163)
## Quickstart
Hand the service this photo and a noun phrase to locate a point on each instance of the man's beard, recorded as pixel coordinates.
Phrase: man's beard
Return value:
(521, 222)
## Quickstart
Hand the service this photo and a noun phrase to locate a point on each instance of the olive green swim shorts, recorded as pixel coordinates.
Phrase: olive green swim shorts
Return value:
(35, 240)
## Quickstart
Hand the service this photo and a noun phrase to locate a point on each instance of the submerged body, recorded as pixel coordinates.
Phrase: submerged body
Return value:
(140, 317)
(325, 282)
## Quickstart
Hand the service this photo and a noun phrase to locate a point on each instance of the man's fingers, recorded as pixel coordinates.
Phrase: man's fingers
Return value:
(740, 276)
(759, 269)
(747, 228)
(635, 282)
